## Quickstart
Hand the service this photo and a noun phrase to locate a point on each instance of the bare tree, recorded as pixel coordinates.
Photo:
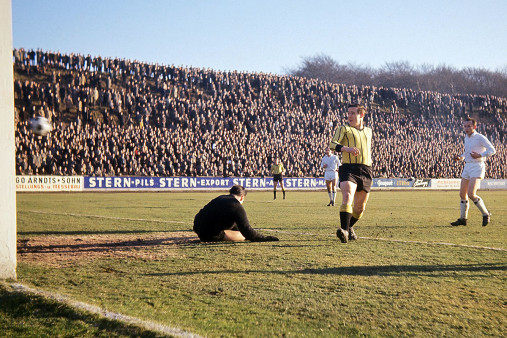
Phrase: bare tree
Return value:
(401, 74)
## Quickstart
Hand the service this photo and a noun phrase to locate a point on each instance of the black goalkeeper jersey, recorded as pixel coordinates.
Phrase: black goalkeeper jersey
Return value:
(223, 213)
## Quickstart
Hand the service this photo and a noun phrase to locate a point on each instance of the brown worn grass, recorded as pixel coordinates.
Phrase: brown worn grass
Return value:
(64, 250)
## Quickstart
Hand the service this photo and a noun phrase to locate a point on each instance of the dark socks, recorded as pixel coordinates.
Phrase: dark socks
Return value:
(345, 218)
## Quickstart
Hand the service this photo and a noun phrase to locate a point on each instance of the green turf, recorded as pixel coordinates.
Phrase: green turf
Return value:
(25, 315)
(398, 279)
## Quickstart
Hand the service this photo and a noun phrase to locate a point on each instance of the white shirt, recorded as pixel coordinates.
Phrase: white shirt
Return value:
(478, 143)
(333, 162)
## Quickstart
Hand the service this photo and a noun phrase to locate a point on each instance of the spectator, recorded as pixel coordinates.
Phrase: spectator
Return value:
(130, 124)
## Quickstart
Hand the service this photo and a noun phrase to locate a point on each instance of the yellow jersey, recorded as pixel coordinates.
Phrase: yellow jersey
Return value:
(277, 169)
(349, 136)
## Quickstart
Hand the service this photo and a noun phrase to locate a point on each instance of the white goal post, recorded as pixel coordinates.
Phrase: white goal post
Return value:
(7, 147)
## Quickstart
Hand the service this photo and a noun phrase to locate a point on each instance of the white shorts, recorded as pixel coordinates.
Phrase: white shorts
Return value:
(474, 170)
(330, 175)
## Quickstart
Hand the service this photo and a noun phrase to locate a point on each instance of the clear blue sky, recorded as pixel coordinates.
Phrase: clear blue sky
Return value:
(269, 35)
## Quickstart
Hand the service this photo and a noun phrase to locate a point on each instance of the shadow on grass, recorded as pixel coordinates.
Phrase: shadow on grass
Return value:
(376, 270)
(286, 244)
(84, 233)
(105, 243)
(393, 270)
(82, 241)
(31, 315)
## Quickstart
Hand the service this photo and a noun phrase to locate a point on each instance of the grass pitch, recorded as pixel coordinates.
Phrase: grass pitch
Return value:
(409, 274)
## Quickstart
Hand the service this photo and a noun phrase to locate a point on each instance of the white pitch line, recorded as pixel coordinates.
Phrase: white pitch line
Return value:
(395, 240)
(105, 217)
(279, 231)
(152, 326)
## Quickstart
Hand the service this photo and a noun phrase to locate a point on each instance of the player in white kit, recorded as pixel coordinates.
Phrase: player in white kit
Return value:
(477, 148)
(330, 162)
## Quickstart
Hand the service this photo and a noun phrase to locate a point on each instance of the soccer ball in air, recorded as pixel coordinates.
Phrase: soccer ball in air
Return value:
(40, 126)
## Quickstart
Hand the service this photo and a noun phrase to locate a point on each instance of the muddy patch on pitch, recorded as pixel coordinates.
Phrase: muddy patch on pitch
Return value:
(65, 250)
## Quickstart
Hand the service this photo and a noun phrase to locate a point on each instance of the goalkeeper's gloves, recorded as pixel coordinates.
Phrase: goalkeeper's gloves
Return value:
(266, 239)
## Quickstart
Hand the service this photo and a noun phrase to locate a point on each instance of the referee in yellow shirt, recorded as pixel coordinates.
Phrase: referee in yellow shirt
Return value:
(353, 140)
(278, 170)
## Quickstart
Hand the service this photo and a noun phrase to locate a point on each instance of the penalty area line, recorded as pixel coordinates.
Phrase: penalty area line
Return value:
(394, 240)
(104, 217)
(145, 324)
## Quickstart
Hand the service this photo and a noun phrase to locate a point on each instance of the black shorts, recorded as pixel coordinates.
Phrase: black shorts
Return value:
(360, 174)
(277, 178)
(212, 238)
(202, 229)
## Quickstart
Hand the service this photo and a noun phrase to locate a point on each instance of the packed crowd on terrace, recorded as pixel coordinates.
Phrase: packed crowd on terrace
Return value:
(123, 117)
